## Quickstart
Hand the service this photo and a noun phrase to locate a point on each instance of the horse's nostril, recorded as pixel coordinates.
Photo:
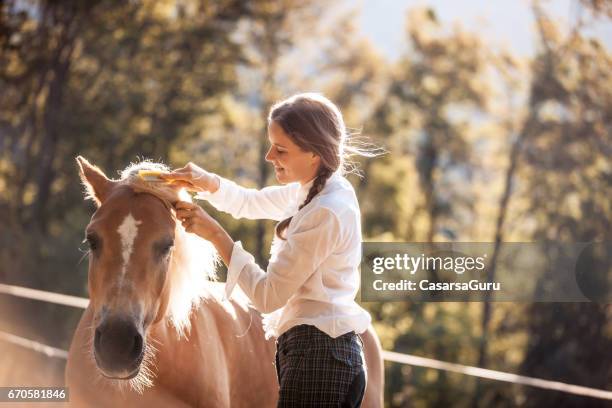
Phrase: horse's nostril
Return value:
(97, 338)
(137, 346)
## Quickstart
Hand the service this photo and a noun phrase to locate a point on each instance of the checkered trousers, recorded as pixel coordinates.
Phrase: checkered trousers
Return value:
(316, 370)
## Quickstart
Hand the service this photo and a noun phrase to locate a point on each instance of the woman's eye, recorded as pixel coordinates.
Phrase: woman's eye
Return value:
(280, 151)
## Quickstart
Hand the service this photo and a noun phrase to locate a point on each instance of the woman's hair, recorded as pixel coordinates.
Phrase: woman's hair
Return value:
(316, 125)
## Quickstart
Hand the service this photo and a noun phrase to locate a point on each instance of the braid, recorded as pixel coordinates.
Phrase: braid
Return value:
(317, 186)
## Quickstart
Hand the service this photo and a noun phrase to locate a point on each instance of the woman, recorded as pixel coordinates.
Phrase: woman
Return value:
(308, 291)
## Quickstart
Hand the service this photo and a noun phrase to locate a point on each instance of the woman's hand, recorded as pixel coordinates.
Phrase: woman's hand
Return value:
(197, 221)
(192, 178)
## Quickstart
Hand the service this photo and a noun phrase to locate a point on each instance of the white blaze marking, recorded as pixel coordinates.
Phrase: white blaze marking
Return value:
(127, 231)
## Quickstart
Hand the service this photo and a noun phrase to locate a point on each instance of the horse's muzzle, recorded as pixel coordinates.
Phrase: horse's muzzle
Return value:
(118, 347)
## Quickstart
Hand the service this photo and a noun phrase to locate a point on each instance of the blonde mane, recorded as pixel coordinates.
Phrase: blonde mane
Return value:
(194, 260)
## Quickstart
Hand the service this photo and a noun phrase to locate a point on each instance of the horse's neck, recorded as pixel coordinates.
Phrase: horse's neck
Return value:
(167, 339)
(196, 355)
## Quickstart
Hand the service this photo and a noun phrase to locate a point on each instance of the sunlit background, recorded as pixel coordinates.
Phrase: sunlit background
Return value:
(496, 115)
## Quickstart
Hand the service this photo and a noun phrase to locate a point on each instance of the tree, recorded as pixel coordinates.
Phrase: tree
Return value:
(566, 164)
(434, 88)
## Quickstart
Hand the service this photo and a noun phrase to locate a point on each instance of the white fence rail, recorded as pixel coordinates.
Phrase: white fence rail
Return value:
(79, 302)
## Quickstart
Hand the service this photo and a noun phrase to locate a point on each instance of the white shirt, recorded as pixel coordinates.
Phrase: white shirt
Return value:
(313, 276)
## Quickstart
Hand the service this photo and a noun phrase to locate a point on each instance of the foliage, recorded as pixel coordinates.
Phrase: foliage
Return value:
(482, 145)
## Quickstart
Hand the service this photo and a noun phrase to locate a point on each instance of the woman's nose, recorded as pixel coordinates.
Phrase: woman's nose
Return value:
(268, 156)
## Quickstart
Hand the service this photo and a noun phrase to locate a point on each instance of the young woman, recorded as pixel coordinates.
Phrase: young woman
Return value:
(308, 291)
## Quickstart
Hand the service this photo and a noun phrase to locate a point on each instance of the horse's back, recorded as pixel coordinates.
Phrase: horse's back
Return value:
(250, 357)
(374, 393)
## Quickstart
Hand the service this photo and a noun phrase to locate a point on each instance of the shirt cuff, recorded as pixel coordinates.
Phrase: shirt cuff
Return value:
(238, 260)
(217, 195)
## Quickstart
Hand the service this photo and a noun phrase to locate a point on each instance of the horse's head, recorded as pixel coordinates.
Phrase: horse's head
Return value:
(143, 267)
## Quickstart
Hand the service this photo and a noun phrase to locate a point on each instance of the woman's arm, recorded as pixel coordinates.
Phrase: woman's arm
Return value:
(308, 245)
(313, 239)
(227, 196)
(197, 221)
(267, 203)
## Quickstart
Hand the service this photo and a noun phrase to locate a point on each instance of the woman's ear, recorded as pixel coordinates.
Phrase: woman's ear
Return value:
(316, 160)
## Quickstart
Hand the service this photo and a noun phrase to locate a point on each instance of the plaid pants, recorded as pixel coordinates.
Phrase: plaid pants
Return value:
(316, 370)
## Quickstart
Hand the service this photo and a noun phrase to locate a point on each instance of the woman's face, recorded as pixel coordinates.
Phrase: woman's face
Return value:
(290, 162)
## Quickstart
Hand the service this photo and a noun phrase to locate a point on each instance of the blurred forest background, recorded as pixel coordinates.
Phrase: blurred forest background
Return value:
(483, 146)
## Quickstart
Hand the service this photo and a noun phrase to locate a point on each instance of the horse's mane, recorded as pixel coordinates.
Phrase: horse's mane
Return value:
(194, 260)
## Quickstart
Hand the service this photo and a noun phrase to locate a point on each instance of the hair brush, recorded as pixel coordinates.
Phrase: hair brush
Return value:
(152, 176)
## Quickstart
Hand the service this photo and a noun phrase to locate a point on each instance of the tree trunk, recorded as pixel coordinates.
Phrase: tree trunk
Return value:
(269, 93)
(52, 115)
(499, 235)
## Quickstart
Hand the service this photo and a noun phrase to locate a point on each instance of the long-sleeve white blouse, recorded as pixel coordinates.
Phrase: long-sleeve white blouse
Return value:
(313, 276)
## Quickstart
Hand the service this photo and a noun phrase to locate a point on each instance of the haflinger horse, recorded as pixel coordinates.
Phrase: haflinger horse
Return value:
(157, 332)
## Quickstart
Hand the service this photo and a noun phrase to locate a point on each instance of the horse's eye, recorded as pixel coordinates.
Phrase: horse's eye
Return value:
(93, 242)
(166, 247)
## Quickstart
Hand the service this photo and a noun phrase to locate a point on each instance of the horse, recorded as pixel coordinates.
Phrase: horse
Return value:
(157, 331)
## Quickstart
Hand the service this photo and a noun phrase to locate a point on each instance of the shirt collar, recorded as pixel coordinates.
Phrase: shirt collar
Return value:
(303, 191)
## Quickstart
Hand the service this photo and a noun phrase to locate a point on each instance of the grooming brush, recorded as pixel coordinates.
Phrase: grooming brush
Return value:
(152, 176)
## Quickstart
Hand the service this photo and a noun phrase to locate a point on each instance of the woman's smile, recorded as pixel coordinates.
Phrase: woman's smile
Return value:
(291, 163)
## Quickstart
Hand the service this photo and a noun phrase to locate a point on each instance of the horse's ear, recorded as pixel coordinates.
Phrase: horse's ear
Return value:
(95, 181)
